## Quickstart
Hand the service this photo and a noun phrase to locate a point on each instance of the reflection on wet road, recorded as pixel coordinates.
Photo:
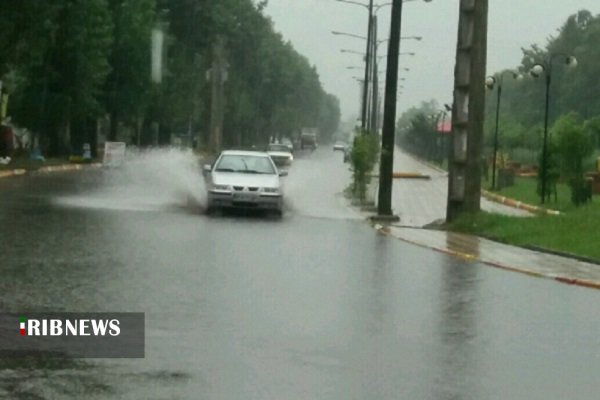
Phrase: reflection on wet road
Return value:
(243, 307)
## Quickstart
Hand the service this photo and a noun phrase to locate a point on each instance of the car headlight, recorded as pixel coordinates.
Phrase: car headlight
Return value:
(221, 187)
(291, 157)
(271, 190)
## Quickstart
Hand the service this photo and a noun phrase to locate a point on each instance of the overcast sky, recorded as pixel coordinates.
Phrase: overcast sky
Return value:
(512, 24)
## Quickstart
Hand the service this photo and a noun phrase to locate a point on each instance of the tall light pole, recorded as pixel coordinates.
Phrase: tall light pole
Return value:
(369, 109)
(386, 164)
(367, 66)
(490, 83)
(373, 9)
(375, 91)
(545, 67)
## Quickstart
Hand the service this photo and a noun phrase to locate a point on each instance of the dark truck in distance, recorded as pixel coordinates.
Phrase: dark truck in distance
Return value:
(308, 138)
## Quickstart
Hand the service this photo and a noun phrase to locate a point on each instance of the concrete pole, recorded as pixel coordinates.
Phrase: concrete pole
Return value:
(464, 178)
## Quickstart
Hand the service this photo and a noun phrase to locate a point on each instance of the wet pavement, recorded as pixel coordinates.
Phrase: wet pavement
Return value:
(316, 305)
(419, 202)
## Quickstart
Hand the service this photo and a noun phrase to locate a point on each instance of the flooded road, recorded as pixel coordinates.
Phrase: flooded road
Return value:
(316, 305)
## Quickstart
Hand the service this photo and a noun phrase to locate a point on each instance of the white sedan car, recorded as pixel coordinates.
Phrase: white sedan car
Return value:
(280, 154)
(244, 179)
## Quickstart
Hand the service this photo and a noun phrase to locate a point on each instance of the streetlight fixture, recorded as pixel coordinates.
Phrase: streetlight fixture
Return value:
(372, 11)
(338, 33)
(352, 52)
(490, 83)
(367, 58)
(375, 8)
(545, 67)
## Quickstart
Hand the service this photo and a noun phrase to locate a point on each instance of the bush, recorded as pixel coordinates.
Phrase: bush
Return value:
(363, 158)
(573, 146)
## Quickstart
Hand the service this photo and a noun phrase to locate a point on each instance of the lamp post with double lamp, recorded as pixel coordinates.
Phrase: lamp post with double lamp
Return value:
(371, 72)
(492, 82)
(367, 59)
(373, 9)
(545, 67)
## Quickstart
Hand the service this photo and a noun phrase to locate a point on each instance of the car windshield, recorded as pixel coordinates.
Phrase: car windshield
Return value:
(248, 164)
(279, 147)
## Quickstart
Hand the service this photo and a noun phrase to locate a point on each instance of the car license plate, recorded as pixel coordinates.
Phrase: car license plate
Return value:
(243, 197)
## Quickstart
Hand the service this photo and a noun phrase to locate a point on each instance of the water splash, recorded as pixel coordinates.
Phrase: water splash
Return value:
(151, 180)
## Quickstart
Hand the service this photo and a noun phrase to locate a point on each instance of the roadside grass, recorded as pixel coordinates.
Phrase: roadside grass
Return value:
(576, 231)
(524, 190)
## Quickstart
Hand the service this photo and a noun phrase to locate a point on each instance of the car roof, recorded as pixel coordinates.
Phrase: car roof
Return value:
(244, 153)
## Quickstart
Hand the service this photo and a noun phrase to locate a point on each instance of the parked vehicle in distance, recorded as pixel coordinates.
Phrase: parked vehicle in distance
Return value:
(280, 154)
(244, 179)
(339, 145)
(289, 144)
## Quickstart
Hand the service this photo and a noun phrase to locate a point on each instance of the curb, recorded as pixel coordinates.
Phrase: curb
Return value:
(410, 175)
(14, 172)
(48, 169)
(472, 257)
(517, 204)
(67, 167)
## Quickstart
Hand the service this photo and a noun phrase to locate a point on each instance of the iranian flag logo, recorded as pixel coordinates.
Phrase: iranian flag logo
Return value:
(22, 326)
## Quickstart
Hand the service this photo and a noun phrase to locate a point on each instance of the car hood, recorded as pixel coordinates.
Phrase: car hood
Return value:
(236, 179)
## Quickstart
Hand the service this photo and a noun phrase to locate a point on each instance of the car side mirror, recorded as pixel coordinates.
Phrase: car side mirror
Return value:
(207, 168)
(283, 173)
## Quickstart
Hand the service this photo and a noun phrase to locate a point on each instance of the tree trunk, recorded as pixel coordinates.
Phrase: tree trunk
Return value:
(114, 125)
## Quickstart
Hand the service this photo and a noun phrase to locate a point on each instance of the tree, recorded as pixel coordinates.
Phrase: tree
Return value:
(69, 62)
(573, 145)
(127, 87)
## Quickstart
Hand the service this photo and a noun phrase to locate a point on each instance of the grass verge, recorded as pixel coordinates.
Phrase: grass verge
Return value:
(524, 190)
(576, 232)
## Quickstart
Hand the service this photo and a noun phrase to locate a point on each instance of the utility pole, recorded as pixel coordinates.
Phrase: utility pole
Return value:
(218, 76)
(386, 164)
(367, 65)
(464, 178)
(375, 91)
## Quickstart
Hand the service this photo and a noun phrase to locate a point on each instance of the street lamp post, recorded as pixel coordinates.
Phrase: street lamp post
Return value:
(490, 83)
(545, 67)
(375, 91)
(373, 10)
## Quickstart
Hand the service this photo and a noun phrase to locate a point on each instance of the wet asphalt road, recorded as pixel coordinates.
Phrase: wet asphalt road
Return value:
(313, 306)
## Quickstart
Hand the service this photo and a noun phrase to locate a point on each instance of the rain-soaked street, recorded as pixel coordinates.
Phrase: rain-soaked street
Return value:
(316, 305)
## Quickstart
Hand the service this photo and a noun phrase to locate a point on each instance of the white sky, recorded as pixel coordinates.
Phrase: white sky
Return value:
(512, 24)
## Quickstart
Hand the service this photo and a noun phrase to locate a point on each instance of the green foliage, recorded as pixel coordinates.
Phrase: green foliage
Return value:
(569, 232)
(572, 89)
(573, 147)
(70, 62)
(552, 172)
(363, 158)
(417, 131)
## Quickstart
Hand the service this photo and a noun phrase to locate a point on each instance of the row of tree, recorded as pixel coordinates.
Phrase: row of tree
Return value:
(417, 131)
(573, 89)
(70, 63)
(523, 100)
